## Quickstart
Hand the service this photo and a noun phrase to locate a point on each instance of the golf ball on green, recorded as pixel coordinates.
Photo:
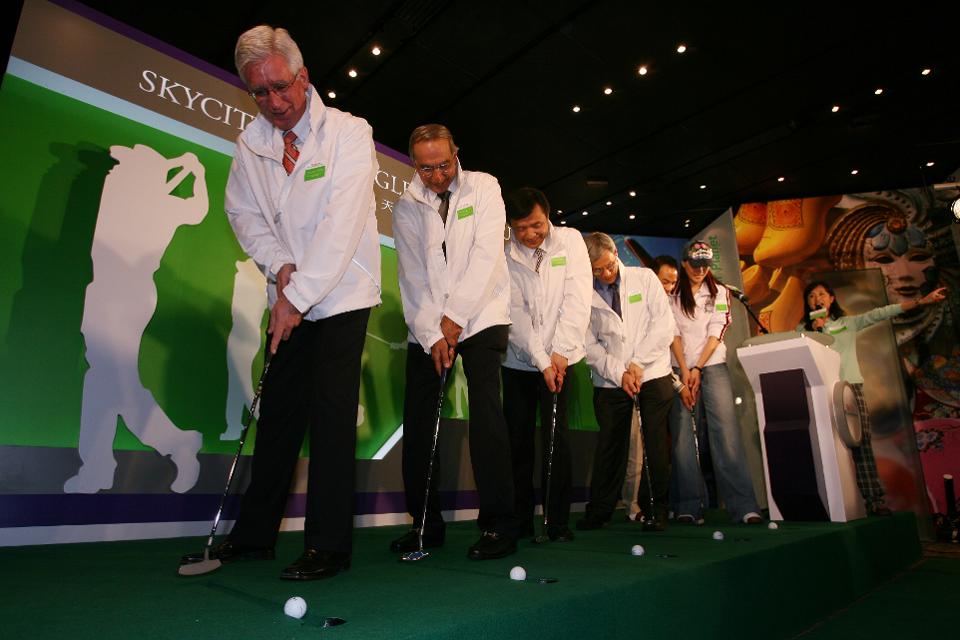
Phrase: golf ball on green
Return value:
(637, 550)
(295, 607)
(518, 573)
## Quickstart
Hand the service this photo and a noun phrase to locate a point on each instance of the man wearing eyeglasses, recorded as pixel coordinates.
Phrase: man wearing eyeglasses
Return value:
(449, 227)
(628, 351)
(300, 200)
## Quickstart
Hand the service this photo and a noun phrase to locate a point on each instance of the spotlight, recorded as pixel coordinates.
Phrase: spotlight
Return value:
(930, 164)
(352, 73)
(576, 108)
(854, 172)
(586, 213)
(331, 94)
(955, 210)
(633, 194)
(878, 91)
(607, 91)
(642, 70)
(781, 179)
(609, 203)
(681, 48)
(633, 216)
(376, 50)
(835, 108)
(926, 72)
(703, 186)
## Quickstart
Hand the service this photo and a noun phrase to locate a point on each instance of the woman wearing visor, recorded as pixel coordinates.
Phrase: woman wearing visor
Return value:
(701, 307)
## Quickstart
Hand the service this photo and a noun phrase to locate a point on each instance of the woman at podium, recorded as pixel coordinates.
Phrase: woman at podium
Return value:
(824, 314)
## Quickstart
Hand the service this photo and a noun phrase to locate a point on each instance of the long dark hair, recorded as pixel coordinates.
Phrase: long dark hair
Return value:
(685, 289)
(835, 309)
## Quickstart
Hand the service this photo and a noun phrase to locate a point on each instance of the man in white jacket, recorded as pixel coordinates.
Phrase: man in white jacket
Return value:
(449, 227)
(628, 350)
(300, 200)
(550, 292)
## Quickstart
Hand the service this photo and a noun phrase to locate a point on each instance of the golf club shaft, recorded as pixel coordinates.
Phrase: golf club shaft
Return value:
(546, 499)
(696, 448)
(643, 445)
(236, 458)
(433, 453)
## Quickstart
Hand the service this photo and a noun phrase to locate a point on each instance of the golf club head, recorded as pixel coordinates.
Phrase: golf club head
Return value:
(414, 556)
(333, 622)
(203, 567)
(541, 539)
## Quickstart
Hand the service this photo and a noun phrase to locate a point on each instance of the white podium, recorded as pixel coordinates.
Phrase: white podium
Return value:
(803, 409)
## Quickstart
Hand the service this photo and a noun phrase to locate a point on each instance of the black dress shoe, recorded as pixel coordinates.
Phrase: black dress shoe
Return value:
(410, 541)
(654, 524)
(590, 523)
(561, 533)
(226, 551)
(492, 545)
(315, 564)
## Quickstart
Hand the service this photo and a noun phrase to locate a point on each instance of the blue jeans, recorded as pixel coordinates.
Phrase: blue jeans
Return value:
(734, 486)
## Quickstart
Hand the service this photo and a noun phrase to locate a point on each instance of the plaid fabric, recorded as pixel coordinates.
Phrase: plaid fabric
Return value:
(868, 480)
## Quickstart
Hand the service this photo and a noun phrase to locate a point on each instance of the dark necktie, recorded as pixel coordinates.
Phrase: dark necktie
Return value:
(444, 205)
(444, 208)
(290, 151)
(539, 253)
(615, 303)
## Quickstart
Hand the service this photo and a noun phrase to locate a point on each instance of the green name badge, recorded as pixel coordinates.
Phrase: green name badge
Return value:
(559, 261)
(635, 297)
(721, 307)
(314, 172)
(466, 212)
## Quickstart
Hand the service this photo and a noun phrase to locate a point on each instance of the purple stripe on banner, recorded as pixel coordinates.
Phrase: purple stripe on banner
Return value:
(150, 41)
(46, 510)
(393, 153)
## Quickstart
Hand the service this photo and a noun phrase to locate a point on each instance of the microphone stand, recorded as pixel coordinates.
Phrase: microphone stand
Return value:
(743, 300)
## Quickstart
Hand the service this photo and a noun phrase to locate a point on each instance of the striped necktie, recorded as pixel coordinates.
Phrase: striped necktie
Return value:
(290, 151)
(539, 253)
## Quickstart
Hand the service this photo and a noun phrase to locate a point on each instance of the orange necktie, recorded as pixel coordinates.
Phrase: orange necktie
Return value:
(290, 151)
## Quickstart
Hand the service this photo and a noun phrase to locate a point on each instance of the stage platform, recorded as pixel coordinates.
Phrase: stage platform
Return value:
(756, 583)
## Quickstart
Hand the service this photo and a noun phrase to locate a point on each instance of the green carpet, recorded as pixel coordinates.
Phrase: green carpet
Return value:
(921, 602)
(755, 583)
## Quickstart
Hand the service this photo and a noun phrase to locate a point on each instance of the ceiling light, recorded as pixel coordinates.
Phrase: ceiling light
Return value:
(633, 216)
(585, 213)
(607, 91)
(376, 50)
(352, 73)
(687, 221)
(930, 164)
(703, 186)
(563, 222)
(633, 194)
(681, 48)
(926, 72)
(781, 179)
(559, 211)
(331, 94)
(642, 70)
(609, 203)
(576, 108)
(854, 172)
(835, 108)
(878, 91)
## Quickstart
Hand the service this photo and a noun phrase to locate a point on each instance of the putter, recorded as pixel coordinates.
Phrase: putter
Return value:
(696, 448)
(544, 537)
(208, 565)
(420, 554)
(646, 461)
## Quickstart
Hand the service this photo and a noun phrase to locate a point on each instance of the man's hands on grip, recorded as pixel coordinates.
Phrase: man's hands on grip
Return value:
(284, 317)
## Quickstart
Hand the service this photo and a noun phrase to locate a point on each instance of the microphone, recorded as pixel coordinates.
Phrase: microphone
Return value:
(819, 312)
(737, 293)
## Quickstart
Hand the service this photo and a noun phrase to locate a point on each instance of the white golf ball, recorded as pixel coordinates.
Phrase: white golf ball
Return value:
(295, 607)
(718, 535)
(772, 525)
(637, 550)
(518, 573)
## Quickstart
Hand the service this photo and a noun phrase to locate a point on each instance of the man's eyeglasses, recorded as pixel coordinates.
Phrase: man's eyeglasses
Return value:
(279, 88)
(426, 170)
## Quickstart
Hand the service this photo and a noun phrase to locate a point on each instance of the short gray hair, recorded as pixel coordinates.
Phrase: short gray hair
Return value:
(260, 42)
(598, 242)
(431, 132)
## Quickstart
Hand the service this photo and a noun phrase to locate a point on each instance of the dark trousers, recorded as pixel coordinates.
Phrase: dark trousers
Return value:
(523, 393)
(613, 409)
(489, 442)
(314, 380)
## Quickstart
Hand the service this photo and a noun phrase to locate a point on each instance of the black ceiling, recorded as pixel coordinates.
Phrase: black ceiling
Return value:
(750, 100)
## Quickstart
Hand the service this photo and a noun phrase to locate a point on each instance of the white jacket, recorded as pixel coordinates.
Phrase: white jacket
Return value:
(643, 336)
(550, 310)
(471, 285)
(711, 317)
(322, 217)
